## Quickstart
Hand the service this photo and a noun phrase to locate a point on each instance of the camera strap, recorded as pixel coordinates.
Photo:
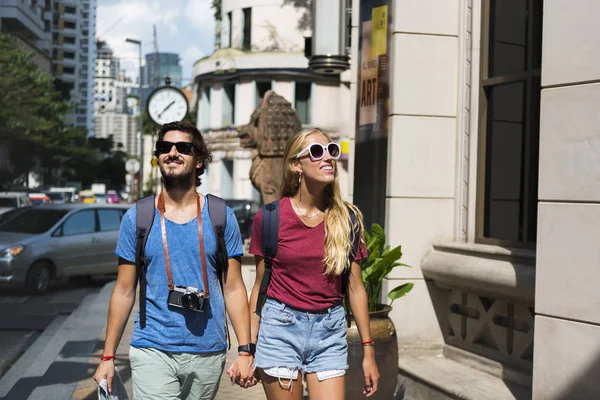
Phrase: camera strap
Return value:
(161, 210)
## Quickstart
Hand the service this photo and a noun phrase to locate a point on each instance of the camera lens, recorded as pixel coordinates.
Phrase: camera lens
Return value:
(190, 301)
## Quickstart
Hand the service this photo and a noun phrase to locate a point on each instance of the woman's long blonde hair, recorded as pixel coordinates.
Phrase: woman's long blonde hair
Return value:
(338, 225)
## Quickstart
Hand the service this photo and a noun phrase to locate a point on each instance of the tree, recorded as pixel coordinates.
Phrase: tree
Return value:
(34, 132)
(29, 108)
(25, 92)
(216, 5)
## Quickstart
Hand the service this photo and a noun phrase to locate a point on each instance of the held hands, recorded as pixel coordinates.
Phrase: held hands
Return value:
(371, 375)
(241, 372)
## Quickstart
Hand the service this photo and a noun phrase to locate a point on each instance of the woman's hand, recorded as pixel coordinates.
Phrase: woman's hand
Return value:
(241, 372)
(371, 374)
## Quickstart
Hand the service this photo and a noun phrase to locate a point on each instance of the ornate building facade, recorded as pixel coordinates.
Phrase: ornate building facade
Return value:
(262, 47)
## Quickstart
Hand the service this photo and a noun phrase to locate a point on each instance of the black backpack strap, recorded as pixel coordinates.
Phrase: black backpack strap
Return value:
(269, 238)
(144, 217)
(355, 237)
(217, 210)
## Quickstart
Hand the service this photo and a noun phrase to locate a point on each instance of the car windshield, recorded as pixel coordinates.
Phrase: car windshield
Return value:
(56, 195)
(34, 221)
(8, 202)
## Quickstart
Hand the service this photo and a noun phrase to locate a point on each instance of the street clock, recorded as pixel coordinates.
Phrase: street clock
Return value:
(167, 104)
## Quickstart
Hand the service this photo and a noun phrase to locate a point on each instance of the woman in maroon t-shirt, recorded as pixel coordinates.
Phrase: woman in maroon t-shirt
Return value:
(302, 327)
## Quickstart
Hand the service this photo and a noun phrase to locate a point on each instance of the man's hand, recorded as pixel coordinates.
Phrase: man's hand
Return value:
(241, 372)
(106, 370)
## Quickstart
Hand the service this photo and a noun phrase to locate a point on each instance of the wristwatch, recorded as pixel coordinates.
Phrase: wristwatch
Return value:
(249, 348)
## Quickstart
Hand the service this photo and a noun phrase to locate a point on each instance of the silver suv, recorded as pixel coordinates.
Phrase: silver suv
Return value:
(38, 244)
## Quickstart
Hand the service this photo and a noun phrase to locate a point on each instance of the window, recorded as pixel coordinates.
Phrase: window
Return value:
(261, 89)
(68, 70)
(228, 104)
(70, 25)
(302, 101)
(110, 220)
(69, 54)
(227, 179)
(509, 123)
(247, 41)
(80, 223)
(230, 19)
(70, 10)
(205, 118)
(70, 40)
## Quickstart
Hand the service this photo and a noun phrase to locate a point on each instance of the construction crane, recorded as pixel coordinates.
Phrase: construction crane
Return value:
(110, 28)
(156, 78)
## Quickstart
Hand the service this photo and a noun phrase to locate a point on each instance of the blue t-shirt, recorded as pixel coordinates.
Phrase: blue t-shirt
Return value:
(170, 328)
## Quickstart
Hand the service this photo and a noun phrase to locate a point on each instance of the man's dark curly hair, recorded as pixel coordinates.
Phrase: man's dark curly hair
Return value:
(201, 151)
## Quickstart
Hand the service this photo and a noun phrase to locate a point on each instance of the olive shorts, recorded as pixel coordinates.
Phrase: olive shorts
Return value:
(162, 375)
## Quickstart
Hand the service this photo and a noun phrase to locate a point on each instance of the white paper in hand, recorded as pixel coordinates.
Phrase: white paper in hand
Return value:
(118, 391)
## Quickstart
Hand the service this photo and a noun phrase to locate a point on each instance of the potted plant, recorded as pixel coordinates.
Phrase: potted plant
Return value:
(381, 261)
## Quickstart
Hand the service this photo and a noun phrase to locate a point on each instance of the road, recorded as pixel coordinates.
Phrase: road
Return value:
(23, 317)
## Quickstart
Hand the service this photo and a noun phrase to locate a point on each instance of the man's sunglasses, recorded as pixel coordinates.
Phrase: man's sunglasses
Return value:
(164, 147)
(316, 151)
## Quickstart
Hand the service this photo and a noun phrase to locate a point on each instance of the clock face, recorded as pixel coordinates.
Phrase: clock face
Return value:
(167, 105)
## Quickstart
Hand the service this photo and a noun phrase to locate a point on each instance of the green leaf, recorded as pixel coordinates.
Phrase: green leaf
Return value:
(400, 291)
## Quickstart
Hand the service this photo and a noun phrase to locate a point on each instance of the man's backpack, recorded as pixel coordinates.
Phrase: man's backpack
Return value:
(269, 238)
(144, 217)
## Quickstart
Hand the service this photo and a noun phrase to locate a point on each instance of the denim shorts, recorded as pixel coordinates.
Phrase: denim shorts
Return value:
(290, 340)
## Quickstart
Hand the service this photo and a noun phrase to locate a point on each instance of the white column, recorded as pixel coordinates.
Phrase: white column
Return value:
(567, 322)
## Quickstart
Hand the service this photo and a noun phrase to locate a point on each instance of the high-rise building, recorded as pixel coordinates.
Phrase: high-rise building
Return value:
(158, 67)
(108, 96)
(31, 23)
(73, 56)
(112, 115)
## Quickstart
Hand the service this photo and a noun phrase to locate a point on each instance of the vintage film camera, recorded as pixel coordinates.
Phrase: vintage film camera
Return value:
(186, 297)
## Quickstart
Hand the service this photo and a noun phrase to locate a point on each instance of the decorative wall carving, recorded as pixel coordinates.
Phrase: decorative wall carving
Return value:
(271, 125)
(498, 329)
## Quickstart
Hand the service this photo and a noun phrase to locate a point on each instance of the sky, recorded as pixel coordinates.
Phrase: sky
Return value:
(185, 27)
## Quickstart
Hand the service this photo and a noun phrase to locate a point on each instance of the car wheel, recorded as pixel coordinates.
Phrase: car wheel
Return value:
(38, 277)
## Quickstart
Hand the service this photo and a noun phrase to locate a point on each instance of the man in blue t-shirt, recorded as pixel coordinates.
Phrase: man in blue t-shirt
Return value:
(180, 353)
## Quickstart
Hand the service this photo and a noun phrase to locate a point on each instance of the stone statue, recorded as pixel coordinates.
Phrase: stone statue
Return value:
(272, 123)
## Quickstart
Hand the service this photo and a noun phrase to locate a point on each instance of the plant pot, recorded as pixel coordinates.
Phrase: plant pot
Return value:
(383, 332)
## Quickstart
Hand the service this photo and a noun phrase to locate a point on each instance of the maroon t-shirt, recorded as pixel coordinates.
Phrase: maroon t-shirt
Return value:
(297, 278)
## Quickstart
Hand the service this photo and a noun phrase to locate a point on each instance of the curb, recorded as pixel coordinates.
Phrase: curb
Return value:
(55, 363)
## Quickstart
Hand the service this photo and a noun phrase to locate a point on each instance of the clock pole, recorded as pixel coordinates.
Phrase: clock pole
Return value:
(141, 130)
(141, 127)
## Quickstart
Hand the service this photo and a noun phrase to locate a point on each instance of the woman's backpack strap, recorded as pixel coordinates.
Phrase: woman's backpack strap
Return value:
(269, 238)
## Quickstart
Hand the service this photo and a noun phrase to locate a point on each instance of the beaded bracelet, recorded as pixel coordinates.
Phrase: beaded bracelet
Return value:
(106, 358)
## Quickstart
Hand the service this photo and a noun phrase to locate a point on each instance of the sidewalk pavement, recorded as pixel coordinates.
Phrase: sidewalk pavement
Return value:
(61, 363)
(86, 388)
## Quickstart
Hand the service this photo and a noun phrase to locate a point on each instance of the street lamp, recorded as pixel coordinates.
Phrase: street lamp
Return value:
(141, 183)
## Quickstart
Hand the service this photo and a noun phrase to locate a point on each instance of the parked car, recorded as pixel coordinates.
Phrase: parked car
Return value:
(58, 197)
(10, 200)
(42, 243)
(244, 211)
(87, 197)
(101, 198)
(112, 197)
(39, 199)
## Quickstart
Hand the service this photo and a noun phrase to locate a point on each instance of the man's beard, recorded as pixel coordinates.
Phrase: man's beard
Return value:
(181, 181)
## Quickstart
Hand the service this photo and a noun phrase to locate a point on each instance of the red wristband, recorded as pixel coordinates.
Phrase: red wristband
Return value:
(106, 358)
(368, 342)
